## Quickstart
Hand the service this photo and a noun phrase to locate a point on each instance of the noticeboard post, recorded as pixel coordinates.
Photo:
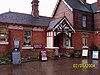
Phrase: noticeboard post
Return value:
(43, 55)
(95, 54)
(16, 56)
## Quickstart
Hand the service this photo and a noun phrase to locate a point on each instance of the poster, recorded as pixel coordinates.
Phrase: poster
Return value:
(85, 53)
(16, 43)
(95, 54)
(43, 55)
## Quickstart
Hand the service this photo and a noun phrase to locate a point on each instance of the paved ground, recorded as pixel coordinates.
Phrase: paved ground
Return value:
(63, 66)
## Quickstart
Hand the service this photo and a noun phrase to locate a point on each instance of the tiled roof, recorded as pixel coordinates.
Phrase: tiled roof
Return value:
(53, 23)
(77, 4)
(26, 19)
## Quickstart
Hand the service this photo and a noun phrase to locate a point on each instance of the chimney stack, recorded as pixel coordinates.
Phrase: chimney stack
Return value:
(98, 4)
(35, 11)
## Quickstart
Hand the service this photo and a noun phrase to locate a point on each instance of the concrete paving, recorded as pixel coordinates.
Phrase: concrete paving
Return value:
(63, 66)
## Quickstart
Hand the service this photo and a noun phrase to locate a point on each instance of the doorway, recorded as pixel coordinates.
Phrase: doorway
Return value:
(62, 41)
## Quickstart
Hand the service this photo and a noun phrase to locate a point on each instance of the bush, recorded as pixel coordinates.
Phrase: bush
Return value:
(94, 47)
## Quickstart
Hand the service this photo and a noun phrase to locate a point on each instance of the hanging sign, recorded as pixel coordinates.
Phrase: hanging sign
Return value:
(85, 53)
(95, 54)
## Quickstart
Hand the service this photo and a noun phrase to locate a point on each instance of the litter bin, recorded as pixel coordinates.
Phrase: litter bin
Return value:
(16, 56)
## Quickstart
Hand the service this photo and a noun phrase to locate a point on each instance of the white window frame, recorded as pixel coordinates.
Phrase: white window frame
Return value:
(84, 40)
(67, 42)
(28, 36)
(84, 21)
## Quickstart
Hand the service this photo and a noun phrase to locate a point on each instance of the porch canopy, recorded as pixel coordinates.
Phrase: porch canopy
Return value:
(59, 28)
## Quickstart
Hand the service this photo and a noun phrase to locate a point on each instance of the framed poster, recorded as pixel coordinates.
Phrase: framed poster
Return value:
(16, 43)
(95, 54)
(84, 53)
(43, 55)
(38, 46)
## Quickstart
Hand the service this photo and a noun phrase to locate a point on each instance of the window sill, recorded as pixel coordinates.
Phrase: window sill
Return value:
(4, 43)
(52, 47)
(27, 47)
(69, 47)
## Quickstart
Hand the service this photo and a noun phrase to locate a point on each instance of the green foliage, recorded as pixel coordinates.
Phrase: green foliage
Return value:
(4, 60)
(77, 53)
(35, 56)
(94, 47)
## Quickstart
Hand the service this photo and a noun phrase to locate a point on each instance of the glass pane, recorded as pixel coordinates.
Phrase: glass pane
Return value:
(27, 38)
(84, 21)
(3, 35)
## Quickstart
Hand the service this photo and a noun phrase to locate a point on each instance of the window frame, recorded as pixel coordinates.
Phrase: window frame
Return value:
(30, 38)
(84, 40)
(4, 36)
(84, 21)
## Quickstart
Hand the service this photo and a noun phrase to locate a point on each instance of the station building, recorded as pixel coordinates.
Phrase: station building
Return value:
(74, 25)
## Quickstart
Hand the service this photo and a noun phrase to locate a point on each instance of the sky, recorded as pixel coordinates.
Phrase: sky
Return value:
(46, 7)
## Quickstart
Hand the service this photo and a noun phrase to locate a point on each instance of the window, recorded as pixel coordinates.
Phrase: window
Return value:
(3, 35)
(84, 39)
(27, 38)
(84, 21)
(67, 42)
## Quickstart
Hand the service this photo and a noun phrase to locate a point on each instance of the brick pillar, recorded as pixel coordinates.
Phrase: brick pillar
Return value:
(35, 11)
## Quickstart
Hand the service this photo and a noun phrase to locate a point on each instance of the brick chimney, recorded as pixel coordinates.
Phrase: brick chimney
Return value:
(35, 11)
(98, 4)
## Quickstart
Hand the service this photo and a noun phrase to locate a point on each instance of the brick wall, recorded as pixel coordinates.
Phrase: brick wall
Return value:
(77, 40)
(62, 11)
(97, 40)
(97, 21)
(39, 37)
(14, 33)
(78, 20)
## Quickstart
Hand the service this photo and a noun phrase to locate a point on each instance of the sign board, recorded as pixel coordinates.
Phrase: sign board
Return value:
(38, 46)
(56, 52)
(95, 54)
(43, 55)
(16, 57)
(84, 53)
(16, 43)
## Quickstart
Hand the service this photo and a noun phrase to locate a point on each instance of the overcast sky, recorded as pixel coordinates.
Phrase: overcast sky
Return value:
(46, 7)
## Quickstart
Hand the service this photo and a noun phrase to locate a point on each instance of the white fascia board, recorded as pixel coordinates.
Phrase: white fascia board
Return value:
(68, 5)
(55, 8)
(69, 24)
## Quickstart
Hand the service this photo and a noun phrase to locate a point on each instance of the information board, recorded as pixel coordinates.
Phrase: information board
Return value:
(16, 43)
(95, 54)
(85, 53)
(16, 57)
(43, 55)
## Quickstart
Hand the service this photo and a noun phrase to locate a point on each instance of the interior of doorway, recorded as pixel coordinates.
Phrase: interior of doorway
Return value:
(62, 41)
